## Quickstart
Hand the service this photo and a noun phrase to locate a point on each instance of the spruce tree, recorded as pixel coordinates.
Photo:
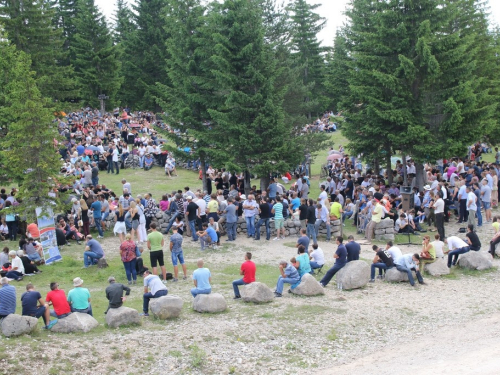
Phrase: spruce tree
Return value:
(336, 71)
(124, 26)
(96, 63)
(64, 18)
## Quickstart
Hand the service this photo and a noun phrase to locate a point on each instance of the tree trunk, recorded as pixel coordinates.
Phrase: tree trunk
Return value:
(420, 176)
(405, 171)
(204, 173)
(376, 167)
(248, 183)
(264, 183)
(389, 166)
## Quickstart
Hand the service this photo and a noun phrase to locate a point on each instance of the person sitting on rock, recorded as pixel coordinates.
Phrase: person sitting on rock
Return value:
(34, 306)
(438, 246)
(289, 275)
(316, 257)
(383, 261)
(248, 270)
(201, 280)
(340, 261)
(428, 254)
(156, 287)
(57, 298)
(303, 263)
(408, 263)
(472, 238)
(7, 298)
(393, 250)
(79, 298)
(114, 294)
(353, 249)
(456, 246)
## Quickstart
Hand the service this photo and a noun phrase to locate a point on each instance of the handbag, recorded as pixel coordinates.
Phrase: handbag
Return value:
(80, 223)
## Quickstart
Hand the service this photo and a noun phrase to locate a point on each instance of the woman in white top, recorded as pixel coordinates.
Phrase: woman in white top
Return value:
(142, 235)
(142, 153)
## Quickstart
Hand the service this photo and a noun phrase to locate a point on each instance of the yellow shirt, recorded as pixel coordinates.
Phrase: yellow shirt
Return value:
(213, 206)
(496, 226)
(335, 209)
(377, 213)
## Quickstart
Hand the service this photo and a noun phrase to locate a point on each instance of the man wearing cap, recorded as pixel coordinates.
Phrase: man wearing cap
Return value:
(114, 294)
(7, 298)
(93, 252)
(158, 289)
(79, 298)
(57, 298)
(34, 306)
(377, 213)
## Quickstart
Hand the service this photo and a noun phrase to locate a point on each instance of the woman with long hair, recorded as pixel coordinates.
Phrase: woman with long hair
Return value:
(134, 217)
(129, 258)
(84, 217)
(120, 227)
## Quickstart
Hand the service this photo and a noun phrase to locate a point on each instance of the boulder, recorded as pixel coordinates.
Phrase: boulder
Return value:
(475, 260)
(290, 224)
(292, 231)
(308, 286)
(385, 223)
(209, 303)
(379, 231)
(101, 263)
(394, 276)
(257, 292)
(335, 223)
(437, 268)
(159, 215)
(166, 307)
(75, 322)
(17, 325)
(385, 237)
(354, 275)
(122, 316)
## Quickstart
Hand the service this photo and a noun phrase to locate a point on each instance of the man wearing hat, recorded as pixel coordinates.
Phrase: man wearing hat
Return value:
(377, 214)
(156, 287)
(7, 298)
(114, 294)
(79, 298)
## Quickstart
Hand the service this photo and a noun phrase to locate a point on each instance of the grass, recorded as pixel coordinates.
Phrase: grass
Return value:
(197, 356)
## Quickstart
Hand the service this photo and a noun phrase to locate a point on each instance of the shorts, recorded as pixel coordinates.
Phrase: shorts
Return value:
(279, 223)
(120, 227)
(156, 258)
(135, 224)
(177, 256)
(39, 312)
(486, 205)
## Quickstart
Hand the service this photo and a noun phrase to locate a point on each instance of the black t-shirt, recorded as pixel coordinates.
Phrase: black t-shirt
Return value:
(218, 183)
(29, 301)
(233, 180)
(474, 240)
(386, 257)
(303, 212)
(311, 215)
(265, 212)
(192, 211)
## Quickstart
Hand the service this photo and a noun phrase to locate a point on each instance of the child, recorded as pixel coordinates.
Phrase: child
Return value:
(179, 224)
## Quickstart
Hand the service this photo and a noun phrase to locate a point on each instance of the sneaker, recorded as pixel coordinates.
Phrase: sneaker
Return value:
(134, 282)
(52, 324)
(276, 239)
(237, 297)
(276, 294)
(290, 291)
(184, 278)
(144, 314)
(282, 237)
(372, 280)
(174, 280)
(323, 285)
(100, 236)
(130, 283)
(164, 282)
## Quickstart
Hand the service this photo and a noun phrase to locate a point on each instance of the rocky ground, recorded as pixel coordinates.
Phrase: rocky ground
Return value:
(389, 328)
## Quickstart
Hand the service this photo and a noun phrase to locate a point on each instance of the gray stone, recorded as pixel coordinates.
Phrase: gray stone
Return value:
(335, 223)
(308, 286)
(394, 276)
(257, 292)
(289, 224)
(296, 223)
(390, 231)
(75, 322)
(243, 225)
(354, 275)
(437, 268)
(209, 303)
(385, 223)
(379, 231)
(101, 263)
(292, 231)
(475, 260)
(241, 220)
(166, 307)
(17, 325)
(122, 316)
(159, 215)
(385, 237)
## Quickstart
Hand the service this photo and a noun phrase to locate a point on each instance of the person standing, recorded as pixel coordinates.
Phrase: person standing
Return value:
(192, 215)
(114, 294)
(265, 216)
(177, 254)
(377, 214)
(95, 174)
(248, 270)
(116, 158)
(486, 199)
(201, 280)
(97, 213)
(311, 221)
(322, 216)
(340, 261)
(471, 207)
(279, 221)
(231, 219)
(439, 213)
(156, 287)
(155, 246)
(7, 298)
(79, 298)
(250, 209)
(462, 196)
(129, 258)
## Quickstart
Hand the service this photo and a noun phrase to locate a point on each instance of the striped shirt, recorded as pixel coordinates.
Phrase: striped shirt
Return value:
(7, 300)
(278, 211)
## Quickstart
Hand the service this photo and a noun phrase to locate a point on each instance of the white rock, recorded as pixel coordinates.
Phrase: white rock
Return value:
(308, 286)
(354, 275)
(437, 268)
(475, 260)
(395, 276)
(209, 303)
(75, 322)
(166, 307)
(17, 325)
(257, 292)
(122, 316)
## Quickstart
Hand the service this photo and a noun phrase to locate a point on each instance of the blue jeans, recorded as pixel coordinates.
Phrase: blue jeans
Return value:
(282, 280)
(95, 181)
(314, 265)
(171, 221)
(231, 231)
(236, 283)
(130, 270)
(455, 253)
(110, 166)
(196, 291)
(128, 221)
(346, 214)
(34, 257)
(250, 225)
(328, 228)
(479, 215)
(330, 273)
(380, 266)
(98, 225)
(89, 257)
(192, 226)
(311, 232)
(88, 310)
(205, 241)
(410, 274)
(147, 296)
(141, 161)
(268, 229)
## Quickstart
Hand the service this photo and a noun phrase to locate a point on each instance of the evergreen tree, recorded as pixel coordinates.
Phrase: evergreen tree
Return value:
(124, 26)
(29, 26)
(336, 72)
(66, 13)
(145, 53)
(96, 61)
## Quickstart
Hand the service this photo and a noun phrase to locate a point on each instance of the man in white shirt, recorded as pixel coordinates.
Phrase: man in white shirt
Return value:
(393, 250)
(317, 257)
(202, 210)
(322, 216)
(456, 246)
(323, 196)
(471, 207)
(116, 158)
(439, 213)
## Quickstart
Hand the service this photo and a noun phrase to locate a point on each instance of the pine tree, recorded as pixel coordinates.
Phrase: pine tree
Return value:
(29, 26)
(124, 26)
(96, 61)
(336, 71)
(66, 13)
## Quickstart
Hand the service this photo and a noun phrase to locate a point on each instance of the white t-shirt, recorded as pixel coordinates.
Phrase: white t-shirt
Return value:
(395, 253)
(203, 206)
(439, 206)
(17, 262)
(455, 243)
(318, 256)
(438, 246)
(323, 197)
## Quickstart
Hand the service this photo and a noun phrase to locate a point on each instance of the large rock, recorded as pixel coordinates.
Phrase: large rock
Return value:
(122, 316)
(17, 325)
(385, 223)
(308, 286)
(166, 307)
(354, 275)
(475, 260)
(257, 292)
(75, 322)
(209, 303)
(394, 276)
(437, 268)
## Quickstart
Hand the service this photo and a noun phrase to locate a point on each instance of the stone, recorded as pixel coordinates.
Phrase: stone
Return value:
(308, 286)
(257, 292)
(75, 322)
(292, 231)
(475, 260)
(289, 224)
(335, 223)
(335, 234)
(166, 307)
(209, 303)
(101, 263)
(159, 215)
(296, 223)
(354, 275)
(437, 268)
(17, 325)
(394, 276)
(385, 223)
(497, 250)
(379, 231)
(122, 316)
(241, 220)
(385, 237)
(243, 225)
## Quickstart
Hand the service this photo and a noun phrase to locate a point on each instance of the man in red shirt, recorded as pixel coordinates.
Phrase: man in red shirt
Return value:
(248, 271)
(57, 298)
(32, 231)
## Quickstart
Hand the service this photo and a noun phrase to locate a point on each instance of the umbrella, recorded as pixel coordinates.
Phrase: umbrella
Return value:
(334, 157)
(134, 125)
(93, 148)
